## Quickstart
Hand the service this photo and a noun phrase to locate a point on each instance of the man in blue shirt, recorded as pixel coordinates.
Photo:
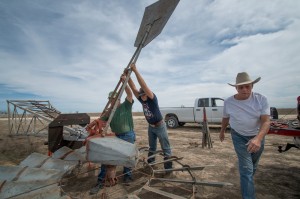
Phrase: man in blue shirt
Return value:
(157, 126)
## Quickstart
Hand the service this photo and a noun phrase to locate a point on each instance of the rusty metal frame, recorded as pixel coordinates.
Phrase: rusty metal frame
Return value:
(184, 168)
(25, 115)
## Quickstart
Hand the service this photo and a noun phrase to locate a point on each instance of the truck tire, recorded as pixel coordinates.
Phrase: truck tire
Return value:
(172, 122)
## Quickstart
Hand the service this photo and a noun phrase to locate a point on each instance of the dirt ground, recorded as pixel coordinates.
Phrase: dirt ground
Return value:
(278, 174)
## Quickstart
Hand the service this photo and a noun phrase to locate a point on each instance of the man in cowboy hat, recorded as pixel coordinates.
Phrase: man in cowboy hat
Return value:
(248, 114)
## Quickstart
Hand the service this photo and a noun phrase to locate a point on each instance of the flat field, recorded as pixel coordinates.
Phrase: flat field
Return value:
(278, 174)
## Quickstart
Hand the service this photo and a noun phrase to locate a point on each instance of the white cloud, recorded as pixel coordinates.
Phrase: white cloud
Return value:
(73, 52)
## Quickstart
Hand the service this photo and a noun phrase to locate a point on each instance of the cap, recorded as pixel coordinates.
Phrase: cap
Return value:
(112, 94)
(141, 92)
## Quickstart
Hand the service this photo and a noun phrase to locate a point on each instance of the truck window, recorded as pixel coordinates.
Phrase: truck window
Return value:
(217, 102)
(203, 102)
(213, 102)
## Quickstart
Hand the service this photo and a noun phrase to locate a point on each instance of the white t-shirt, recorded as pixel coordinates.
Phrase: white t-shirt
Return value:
(244, 115)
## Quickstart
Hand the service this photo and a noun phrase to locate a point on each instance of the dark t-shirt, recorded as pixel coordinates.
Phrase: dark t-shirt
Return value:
(151, 110)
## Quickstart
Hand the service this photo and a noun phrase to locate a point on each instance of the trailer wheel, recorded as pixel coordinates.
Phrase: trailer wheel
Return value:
(172, 122)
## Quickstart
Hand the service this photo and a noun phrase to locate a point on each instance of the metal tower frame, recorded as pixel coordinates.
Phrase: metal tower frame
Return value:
(24, 116)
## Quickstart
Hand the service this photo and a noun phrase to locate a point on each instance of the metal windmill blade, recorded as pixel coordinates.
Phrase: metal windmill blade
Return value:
(155, 15)
(155, 18)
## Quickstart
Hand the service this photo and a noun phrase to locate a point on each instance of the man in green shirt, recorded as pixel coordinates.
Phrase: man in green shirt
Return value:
(122, 125)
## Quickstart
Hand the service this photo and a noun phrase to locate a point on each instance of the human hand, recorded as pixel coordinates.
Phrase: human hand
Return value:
(253, 145)
(133, 67)
(126, 70)
(222, 136)
(123, 77)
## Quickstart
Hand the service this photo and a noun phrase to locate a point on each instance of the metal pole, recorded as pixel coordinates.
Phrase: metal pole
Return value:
(8, 115)
(133, 60)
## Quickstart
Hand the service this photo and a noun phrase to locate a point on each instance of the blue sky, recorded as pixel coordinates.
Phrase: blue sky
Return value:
(73, 52)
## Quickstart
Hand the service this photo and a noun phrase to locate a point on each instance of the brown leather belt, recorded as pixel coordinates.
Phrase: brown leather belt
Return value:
(157, 124)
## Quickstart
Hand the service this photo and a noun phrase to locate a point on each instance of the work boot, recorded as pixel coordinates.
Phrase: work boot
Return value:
(151, 160)
(96, 188)
(168, 165)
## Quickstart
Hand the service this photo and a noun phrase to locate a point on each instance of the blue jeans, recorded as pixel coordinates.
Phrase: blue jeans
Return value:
(129, 137)
(248, 163)
(159, 132)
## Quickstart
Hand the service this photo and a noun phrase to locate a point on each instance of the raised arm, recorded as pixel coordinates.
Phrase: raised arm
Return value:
(127, 90)
(129, 94)
(133, 88)
(141, 81)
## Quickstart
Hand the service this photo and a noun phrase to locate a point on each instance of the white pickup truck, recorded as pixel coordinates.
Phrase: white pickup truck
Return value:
(178, 116)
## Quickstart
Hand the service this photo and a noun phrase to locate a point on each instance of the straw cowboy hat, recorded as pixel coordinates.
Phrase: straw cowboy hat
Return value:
(243, 78)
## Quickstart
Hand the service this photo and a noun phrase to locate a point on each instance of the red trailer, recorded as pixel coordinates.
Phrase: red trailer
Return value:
(286, 129)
